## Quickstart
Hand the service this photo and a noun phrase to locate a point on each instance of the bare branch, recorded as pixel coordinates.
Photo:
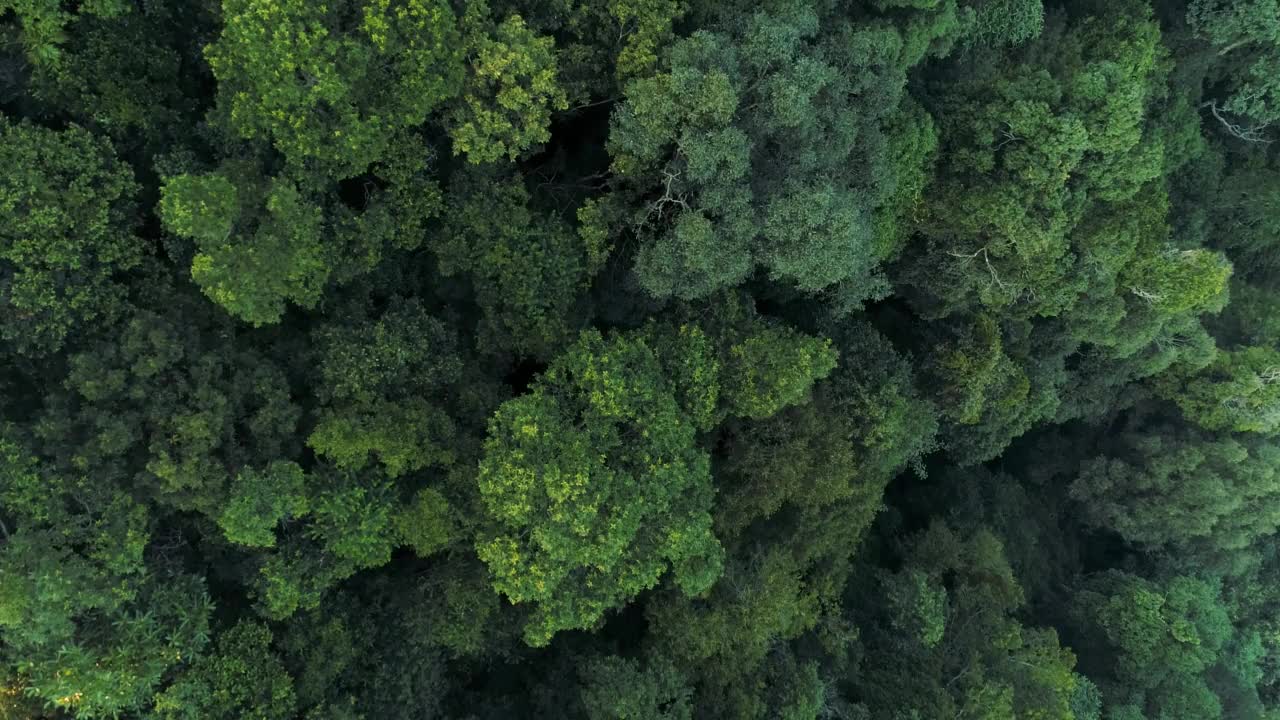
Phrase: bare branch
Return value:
(1255, 134)
(986, 258)
(1008, 135)
(1147, 295)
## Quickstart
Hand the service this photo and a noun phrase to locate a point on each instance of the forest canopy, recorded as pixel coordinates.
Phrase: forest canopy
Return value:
(640, 359)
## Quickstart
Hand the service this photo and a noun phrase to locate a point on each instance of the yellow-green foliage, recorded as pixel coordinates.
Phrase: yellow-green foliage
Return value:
(328, 93)
(510, 91)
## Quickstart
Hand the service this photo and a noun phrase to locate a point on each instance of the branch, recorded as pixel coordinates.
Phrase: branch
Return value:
(986, 258)
(592, 104)
(1247, 134)
(1009, 136)
(1147, 295)
(658, 207)
(1234, 46)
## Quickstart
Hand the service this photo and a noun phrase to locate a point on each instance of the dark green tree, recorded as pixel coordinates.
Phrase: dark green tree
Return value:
(71, 213)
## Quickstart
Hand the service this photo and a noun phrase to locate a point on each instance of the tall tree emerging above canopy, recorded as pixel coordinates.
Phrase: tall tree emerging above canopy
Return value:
(595, 488)
(594, 484)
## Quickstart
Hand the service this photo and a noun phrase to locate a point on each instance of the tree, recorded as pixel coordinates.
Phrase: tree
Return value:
(1251, 319)
(1183, 489)
(71, 214)
(90, 627)
(1246, 36)
(264, 241)
(1045, 238)
(250, 284)
(605, 42)
(615, 688)
(1246, 209)
(329, 93)
(260, 500)
(241, 678)
(529, 269)
(947, 642)
(118, 68)
(864, 425)
(796, 492)
(1150, 645)
(172, 408)
(372, 377)
(44, 22)
(1237, 393)
(1031, 147)
(1005, 22)
(510, 91)
(756, 150)
(579, 531)
(730, 359)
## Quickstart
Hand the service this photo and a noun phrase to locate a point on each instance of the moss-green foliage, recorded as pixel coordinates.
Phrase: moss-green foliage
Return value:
(947, 640)
(601, 44)
(1238, 392)
(260, 500)
(69, 208)
(528, 268)
(639, 359)
(288, 260)
(1154, 646)
(1160, 486)
(373, 377)
(1063, 130)
(755, 149)
(615, 688)
(241, 678)
(426, 524)
(1247, 36)
(91, 625)
(43, 23)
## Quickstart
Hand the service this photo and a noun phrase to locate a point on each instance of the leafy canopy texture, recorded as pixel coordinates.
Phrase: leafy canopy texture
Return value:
(595, 485)
(69, 204)
(640, 359)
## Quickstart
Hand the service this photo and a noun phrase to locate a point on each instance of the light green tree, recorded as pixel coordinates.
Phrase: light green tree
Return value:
(331, 85)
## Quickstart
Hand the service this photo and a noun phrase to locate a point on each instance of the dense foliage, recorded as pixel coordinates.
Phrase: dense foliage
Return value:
(640, 359)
